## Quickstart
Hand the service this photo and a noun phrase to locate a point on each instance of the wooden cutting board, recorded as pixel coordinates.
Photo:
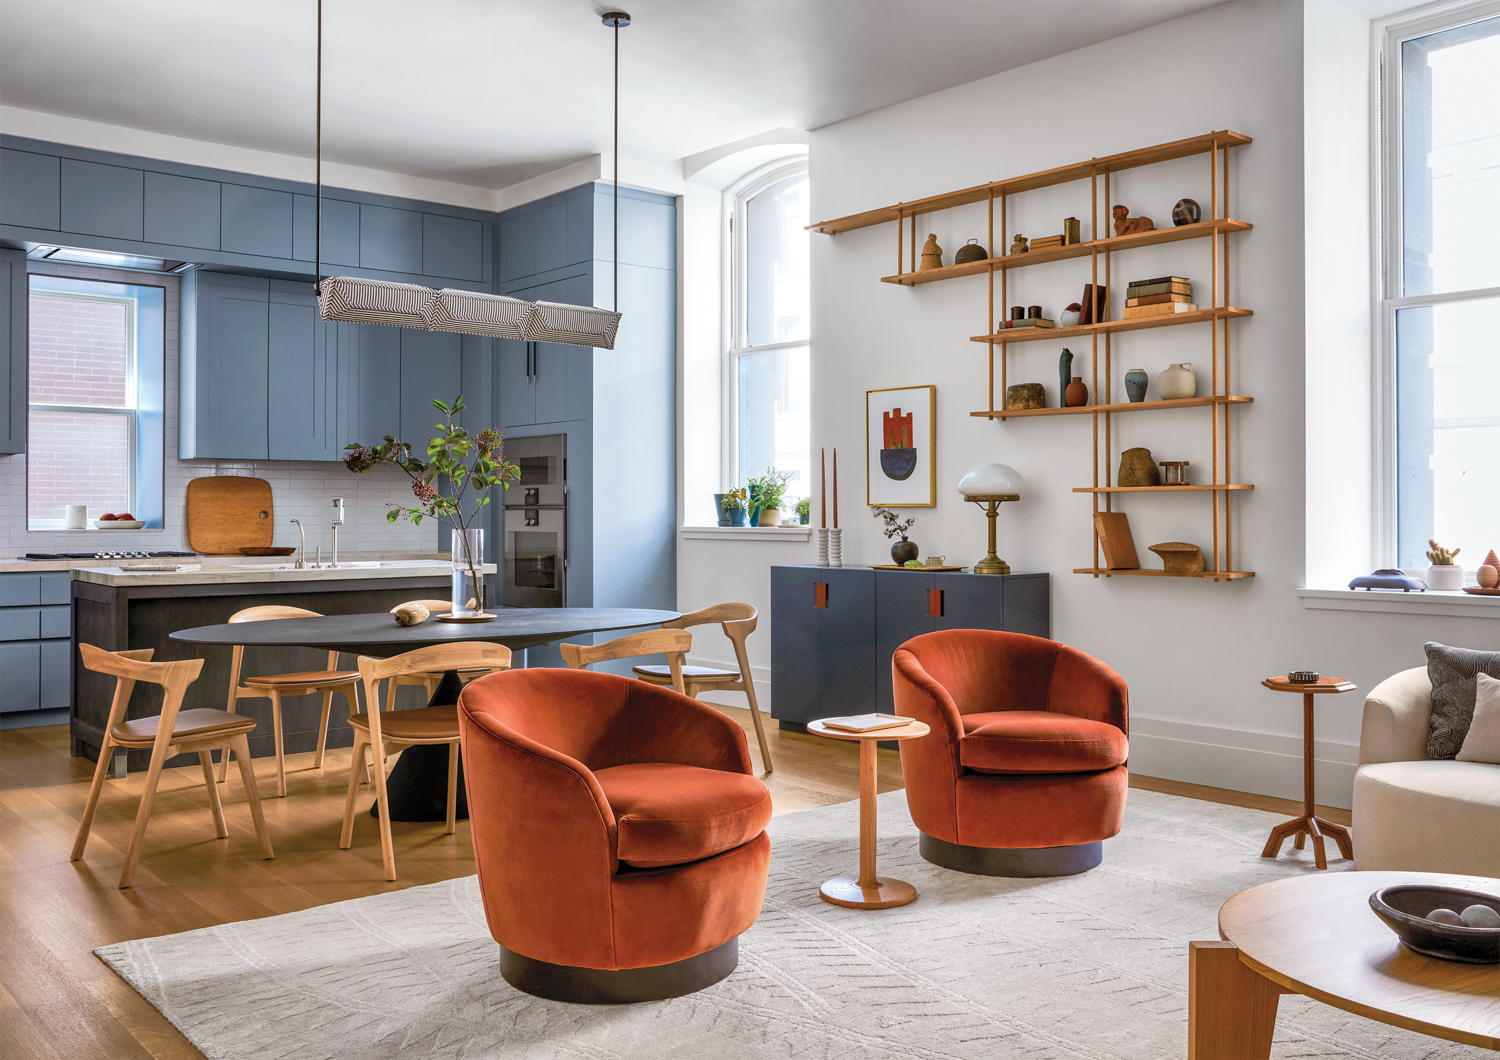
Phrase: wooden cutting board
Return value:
(226, 513)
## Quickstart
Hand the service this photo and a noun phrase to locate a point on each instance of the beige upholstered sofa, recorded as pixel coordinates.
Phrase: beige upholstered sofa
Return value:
(1415, 813)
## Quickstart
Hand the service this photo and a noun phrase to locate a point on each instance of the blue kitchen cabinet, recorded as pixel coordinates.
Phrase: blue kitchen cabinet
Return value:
(390, 240)
(102, 200)
(225, 367)
(370, 379)
(452, 247)
(540, 381)
(32, 184)
(14, 296)
(256, 221)
(431, 367)
(546, 235)
(183, 211)
(35, 644)
(340, 231)
(302, 411)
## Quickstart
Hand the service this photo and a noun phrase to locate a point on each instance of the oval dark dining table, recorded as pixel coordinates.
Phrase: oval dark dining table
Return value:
(418, 784)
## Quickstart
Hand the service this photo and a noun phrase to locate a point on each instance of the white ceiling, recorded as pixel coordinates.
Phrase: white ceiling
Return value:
(491, 92)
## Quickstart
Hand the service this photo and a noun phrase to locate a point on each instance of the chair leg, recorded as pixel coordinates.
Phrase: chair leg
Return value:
(224, 754)
(323, 727)
(142, 815)
(247, 777)
(453, 787)
(356, 762)
(387, 845)
(280, 750)
(760, 729)
(206, 758)
(85, 825)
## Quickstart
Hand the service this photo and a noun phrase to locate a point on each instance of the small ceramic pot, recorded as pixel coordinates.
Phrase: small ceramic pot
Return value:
(1177, 382)
(1445, 577)
(1186, 212)
(736, 517)
(902, 551)
(1077, 394)
(1070, 317)
(803, 517)
(769, 517)
(933, 561)
(719, 507)
(1136, 382)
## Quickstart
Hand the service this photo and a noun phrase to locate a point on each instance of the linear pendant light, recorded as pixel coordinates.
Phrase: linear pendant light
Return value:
(358, 300)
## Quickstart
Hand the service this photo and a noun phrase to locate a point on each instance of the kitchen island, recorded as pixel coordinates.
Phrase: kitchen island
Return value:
(115, 608)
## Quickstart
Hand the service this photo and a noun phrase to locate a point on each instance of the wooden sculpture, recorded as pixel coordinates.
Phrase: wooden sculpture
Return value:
(932, 255)
(1126, 225)
(1179, 556)
(411, 614)
(1137, 469)
(1019, 245)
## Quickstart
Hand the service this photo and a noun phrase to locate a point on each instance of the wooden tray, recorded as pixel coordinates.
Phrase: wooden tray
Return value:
(1478, 591)
(226, 513)
(893, 566)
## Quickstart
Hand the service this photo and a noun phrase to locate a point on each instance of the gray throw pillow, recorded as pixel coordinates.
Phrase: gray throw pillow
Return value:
(1453, 673)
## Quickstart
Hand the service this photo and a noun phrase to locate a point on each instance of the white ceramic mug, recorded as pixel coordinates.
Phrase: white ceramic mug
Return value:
(77, 516)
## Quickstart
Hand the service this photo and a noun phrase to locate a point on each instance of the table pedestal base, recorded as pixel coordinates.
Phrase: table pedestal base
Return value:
(884, 893)
(1303, 827)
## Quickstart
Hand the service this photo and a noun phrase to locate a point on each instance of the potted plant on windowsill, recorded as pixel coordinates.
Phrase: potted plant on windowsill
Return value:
(462, 463)
(770, 495)
(804, 510)
(733, 506)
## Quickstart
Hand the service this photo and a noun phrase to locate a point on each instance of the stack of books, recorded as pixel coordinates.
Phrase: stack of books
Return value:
(1047, 242)
(1029, 322)
(1160, 296)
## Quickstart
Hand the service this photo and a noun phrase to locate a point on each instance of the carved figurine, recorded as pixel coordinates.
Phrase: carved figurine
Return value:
(1020, 245)
(1125, 225)
(932, 255)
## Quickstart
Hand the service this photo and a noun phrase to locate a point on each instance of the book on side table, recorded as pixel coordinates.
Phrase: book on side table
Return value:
(866, 722)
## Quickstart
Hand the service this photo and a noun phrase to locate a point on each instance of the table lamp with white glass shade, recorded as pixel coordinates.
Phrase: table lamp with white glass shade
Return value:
(989, 485)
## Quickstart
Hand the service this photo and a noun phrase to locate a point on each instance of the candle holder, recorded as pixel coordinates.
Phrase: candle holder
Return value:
(822, 546)
(835, 547)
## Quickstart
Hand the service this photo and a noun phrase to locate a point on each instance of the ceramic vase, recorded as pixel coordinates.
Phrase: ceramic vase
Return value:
(1064, 376)
(1136, 381)
(1445, 577)
(904, 550)
(1077, 393)
(1177, 382)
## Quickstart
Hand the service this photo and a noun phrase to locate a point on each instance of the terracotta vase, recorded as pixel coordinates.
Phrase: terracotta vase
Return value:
(1078, 393)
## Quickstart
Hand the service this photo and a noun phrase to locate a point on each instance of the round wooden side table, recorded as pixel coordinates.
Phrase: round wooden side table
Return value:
(1309, 824)
(867, 890)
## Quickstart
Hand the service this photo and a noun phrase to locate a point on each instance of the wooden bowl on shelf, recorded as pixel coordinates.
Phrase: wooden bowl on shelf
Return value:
(264, 550)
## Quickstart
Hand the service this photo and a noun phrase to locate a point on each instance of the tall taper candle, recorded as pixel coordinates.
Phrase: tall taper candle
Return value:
(823, 499)
(835, 489)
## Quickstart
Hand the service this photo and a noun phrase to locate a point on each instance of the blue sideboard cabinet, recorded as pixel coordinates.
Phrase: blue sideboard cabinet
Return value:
(35, 632)
(831, 648)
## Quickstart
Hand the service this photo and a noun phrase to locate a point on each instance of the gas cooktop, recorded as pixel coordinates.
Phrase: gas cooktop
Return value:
(123, 554)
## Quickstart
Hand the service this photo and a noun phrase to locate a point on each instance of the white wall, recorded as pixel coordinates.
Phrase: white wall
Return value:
(1193, 651)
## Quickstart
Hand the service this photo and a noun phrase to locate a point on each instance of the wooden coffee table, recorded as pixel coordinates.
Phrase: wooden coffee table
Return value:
(867, 890)
(1316, 935)
(1309, 824)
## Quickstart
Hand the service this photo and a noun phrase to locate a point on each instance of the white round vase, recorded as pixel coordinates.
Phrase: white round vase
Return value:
(1176, 382)
(1445, 577)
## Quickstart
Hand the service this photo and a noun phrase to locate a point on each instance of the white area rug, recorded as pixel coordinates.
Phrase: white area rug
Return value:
(1089, 966)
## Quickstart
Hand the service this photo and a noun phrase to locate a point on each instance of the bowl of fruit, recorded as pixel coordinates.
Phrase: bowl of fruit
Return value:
(122, 521)
(1444, 922)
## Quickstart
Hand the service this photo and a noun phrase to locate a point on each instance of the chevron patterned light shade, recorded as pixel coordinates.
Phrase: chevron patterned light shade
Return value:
(478, 314)
(375, 301)
(577, 324)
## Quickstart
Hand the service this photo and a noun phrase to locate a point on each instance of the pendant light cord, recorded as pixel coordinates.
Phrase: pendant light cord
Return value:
(318, 223)
(615, 304)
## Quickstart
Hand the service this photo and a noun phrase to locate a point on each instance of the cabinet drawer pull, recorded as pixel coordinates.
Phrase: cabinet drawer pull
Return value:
(820, 594)
(934, 603)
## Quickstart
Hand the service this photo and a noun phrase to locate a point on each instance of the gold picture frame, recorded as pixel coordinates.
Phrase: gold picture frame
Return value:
(901, 475)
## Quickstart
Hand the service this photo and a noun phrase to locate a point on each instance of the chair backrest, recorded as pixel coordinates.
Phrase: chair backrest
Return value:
(128, 667)
(435, 606)
(271, 611)
(461, 655)
(262, 613)
(738, 622)
(673, 643)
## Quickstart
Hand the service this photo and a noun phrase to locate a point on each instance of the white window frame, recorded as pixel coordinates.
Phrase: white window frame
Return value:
(1390, 278)
(736, 196)
(130, 410)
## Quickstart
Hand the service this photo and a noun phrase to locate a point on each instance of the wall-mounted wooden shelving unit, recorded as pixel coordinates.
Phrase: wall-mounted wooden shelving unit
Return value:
(1218, 315)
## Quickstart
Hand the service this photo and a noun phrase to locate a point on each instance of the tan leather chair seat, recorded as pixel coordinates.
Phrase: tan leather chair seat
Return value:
(658, 670)
(421, 723)
(197, 722)
(310, 677)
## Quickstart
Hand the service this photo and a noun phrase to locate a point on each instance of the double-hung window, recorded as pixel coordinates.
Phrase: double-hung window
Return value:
(94, 416)
(767, 368)
(1440, 296)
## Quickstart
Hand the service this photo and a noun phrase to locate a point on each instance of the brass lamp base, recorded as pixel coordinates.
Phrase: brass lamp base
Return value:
(992, 564)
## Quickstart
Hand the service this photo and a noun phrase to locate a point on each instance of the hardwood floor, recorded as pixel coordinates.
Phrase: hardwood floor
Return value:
(58, 1002)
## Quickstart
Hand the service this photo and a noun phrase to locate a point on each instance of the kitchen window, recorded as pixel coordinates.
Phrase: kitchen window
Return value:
(1440, 284)
(94, 386)
(767, 370)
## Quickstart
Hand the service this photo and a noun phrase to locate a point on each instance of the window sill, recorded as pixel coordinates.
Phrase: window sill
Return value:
(763, 533)
(1430, 602)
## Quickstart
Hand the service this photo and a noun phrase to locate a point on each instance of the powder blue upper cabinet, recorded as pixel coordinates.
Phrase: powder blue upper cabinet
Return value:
(389, 240)
(545, 382)
(224, 366)
(551, 234)
(14, 295)
(431, 367)
(101, 200)
(256, 221)
(340, 231)
(32, 184)
(370, 374)
(452, 246)
(302, 414)
(182, 211)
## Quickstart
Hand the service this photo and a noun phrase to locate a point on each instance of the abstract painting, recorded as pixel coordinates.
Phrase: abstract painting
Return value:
(901, 434)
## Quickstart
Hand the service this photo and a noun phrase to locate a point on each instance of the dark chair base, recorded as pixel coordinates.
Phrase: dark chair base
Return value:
(1002, 861)
(597, 986)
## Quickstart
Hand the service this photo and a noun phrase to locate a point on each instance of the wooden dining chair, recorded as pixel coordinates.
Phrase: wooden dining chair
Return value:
(738, 622)
(430, 680)
(673, 643)
(173, 731)
(275, 686)
(384, 730)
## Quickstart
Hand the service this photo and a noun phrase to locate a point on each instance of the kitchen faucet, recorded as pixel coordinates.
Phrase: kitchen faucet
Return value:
(338, 521)
(302, 550)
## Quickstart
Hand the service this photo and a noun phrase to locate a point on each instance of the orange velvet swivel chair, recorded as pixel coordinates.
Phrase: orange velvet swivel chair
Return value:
(1024, 771)
(619, 833)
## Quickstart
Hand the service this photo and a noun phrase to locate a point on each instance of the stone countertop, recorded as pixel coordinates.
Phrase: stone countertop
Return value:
(265, 573)
(22, 566)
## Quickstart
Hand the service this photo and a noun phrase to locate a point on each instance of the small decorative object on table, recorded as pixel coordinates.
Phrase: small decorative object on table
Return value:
(804, 510)
(1026, 396)
(1444, 574)
(1186, 212)
(1137, 469)
(1177, 382)
(1019, 245)
(1136, 382)
(1309, 824)
(933, 561)
(1072, 231)
(903, 550)
(1070, 316)
(988, 485)
(465, 462)
(1428, 921)
(1487, 577)
(1388, 578)
(1303, 677)
(970, 251)
(1125, 225)
(932, 255)
(1179, 556)
(411, 614)
(1158, 296)
(1173, 473)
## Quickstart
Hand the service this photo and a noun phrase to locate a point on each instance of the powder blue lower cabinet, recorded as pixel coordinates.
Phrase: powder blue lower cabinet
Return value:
(35, 645)
(836, 659)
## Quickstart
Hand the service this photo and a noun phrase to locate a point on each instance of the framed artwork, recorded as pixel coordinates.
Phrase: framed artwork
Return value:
(901, 447)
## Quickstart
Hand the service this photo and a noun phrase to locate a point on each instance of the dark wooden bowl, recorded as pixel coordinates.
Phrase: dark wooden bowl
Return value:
(1404, 910)
(267, 551)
